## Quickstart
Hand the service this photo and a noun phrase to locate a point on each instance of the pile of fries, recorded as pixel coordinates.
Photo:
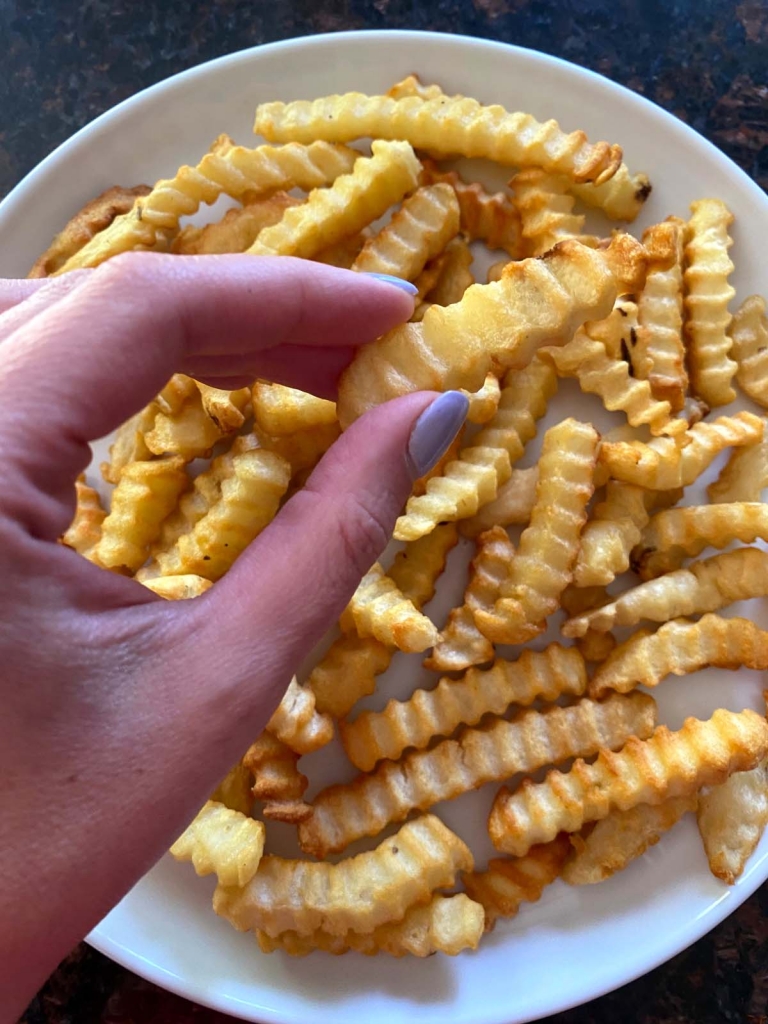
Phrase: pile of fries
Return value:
(643, 325)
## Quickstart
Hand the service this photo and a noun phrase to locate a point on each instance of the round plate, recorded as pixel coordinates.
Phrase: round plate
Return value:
(574, 944)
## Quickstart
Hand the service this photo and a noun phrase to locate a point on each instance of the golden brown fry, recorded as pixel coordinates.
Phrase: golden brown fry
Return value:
(129, 444)
(704, 586)
(496, 271)
(732, 817)
(508, 882)
(378, 608)
(298, 722)
(237, 229)
(223, 842)
(622, 837)
(234, 790)
(227, 409)
(669, 764)
(545, 675)
(483, 404)
(749, 333)
(347, 206)
(282, 410)
(344, 253)
(658, 354)
(511, 507)
(178, 588)
(678, 648)
(420, 230)
(357, 894)
(302, 449)
(413, 86)
(474, 478)
(744, 477)
(187, 431)
(546, 209)
(620, 198)
(708, 293)
(95, 216)
(225, 168)
(84, 532)
(679, 533)
(495, 327)
(490, 218)
(146, 493)
(461, 644)
(447, 924)
(613, 531)
(665, 462)
(543, 565)
(529, 741)
(277, 781)
(450, 125)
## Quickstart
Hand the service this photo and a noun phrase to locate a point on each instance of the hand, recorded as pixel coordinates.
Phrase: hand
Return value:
(121, 711)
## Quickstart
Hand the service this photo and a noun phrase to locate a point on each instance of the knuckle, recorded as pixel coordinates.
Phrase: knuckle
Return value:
(363, 530)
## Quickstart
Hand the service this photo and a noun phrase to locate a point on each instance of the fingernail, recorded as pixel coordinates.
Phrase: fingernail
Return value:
(434, 430)
(398, 282)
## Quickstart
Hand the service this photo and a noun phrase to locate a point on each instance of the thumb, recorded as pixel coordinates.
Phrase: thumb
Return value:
(294, 580)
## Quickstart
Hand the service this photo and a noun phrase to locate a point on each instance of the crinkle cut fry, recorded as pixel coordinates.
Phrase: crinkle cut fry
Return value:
(223, 842)
(278, 409)
(708, 293)
(352, 202)
(744, 477)
(277, 781)
(704, 586)
(749, 334)
(425, 223)
(622, 837)
(447, 924)
(234, 790)
(510, 881)
(412, 85)
(545, 675)
(227, 409)
(298, 722)
(237, 229)
(511, 507)
(461, 644)
(484, 403)
(678, 648)
(546, 209)
(379, 608)
(665, 463)
(357, 894)
(450, 125)
(495, 327)
(84, 532)
(669, 764)
(226, 168)
(531, 740)
(732, 817)
(593, 646)
(675, 534)
(543, 565)
(610, 535)
(474, 478)
(178, 588)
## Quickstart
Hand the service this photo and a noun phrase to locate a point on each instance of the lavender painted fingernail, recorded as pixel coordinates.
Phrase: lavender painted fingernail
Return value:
(398, 282)
(434, 430)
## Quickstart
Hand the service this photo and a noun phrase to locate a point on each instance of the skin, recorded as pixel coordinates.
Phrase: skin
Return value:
(122, 711)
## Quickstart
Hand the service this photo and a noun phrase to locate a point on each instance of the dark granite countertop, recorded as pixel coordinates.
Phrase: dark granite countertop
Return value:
(65, 62)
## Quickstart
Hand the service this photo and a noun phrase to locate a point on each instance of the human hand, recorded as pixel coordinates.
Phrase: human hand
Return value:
(122, 711)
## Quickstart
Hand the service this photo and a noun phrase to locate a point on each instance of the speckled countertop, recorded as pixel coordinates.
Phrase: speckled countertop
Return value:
(65, 62)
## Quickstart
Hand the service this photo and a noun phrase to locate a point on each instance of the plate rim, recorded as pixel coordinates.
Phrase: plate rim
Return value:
(691, 931)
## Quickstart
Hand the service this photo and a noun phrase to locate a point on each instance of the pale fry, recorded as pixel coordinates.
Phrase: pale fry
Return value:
(450, 125)
(483, 404)
(236, 230)
(609, 537)
(447, 924)
(145, 495)
(84, 532)
(298, 722)
(658, 354)
(664, 462)
(708, 293)
(622, 837)
(495, 327)
(178, 588)
(732, 817)
(546, 209)
(669, 764)
(705, 586)
(379, 608)
(531, 740)
(544, 675)
(357, 894)
(679, 533)
(543, 565)
(511, 507)
(593, 646)
(347, 206)
(474, 478)
(461, 644)
(343, 253)
(749, 333)
(620, 198)
(282, 410)
(744, 477)
(678, 648)
(420, 230)
(277, 781)
(508, 882)
(223, 842)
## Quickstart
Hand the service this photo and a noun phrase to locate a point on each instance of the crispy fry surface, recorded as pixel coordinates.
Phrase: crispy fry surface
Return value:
(380, 609)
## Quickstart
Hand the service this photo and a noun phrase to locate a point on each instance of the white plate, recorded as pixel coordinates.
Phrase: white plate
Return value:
(576, 943)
